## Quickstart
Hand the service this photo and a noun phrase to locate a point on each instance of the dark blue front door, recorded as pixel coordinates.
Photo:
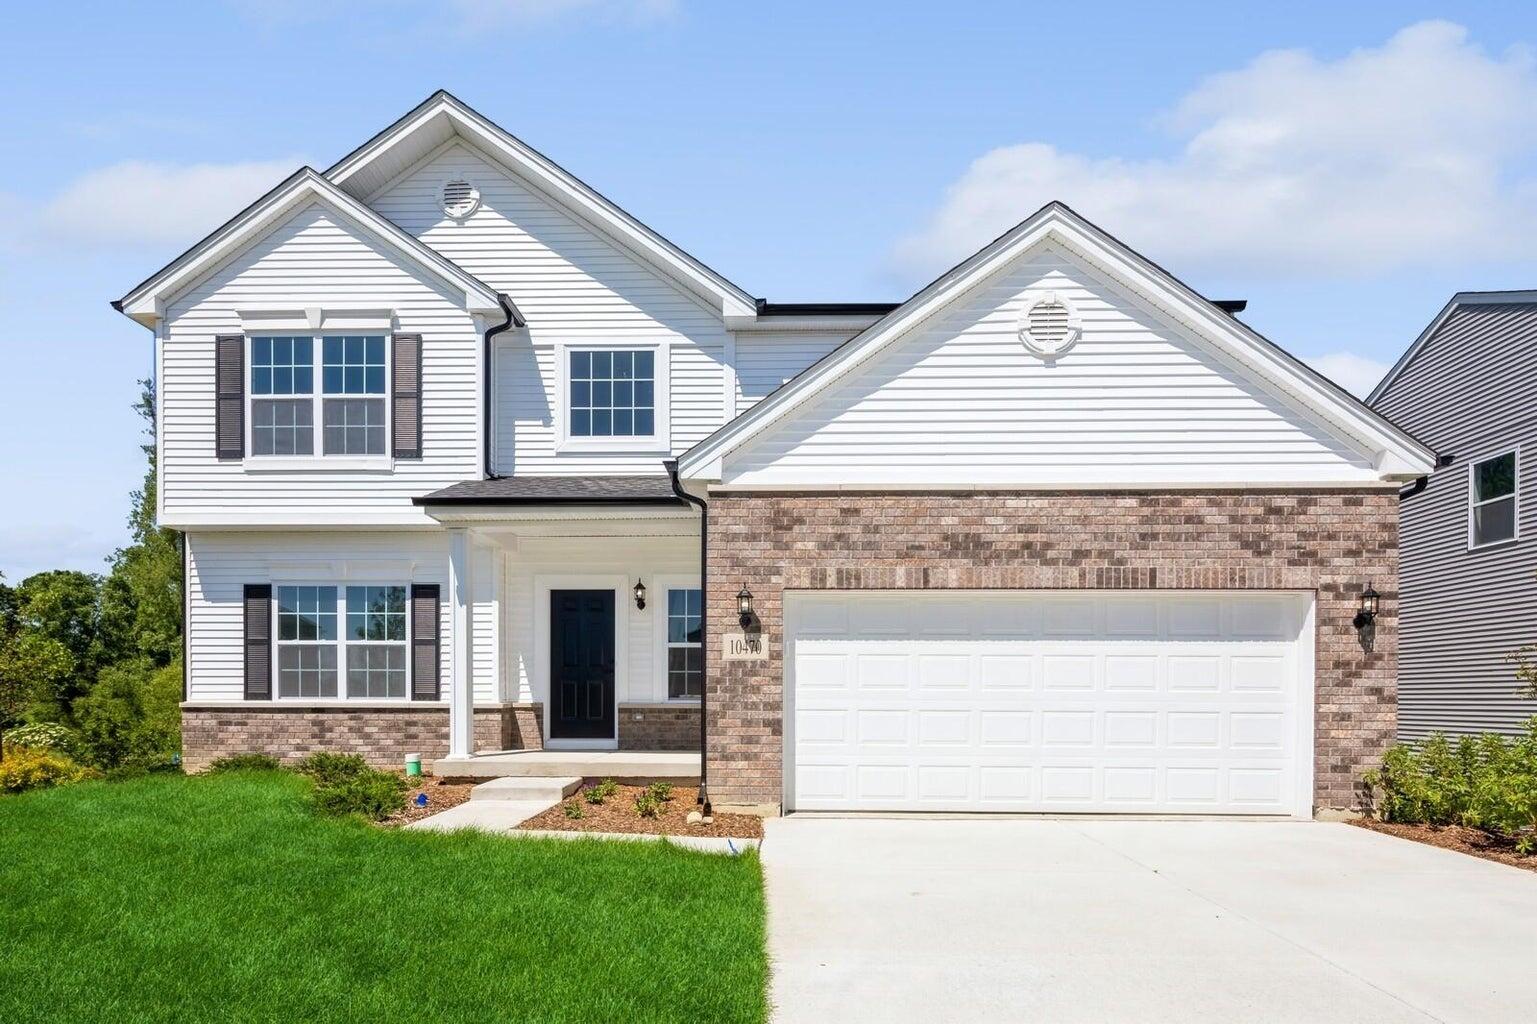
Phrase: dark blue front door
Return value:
(582, 664)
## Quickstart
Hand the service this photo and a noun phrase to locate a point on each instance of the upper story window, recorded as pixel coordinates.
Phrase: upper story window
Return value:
(353, 375)
(1492, 501)
(612, 393)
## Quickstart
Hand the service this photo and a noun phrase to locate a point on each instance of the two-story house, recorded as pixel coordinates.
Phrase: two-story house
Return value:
(1469, 537)
(467, 459)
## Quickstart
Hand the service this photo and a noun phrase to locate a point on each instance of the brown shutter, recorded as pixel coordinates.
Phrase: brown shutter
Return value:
(229, 400)
(406, 396)
(258, 641)
(425, 609)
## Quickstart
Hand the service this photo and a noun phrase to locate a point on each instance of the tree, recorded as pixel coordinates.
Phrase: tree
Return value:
(142, 596)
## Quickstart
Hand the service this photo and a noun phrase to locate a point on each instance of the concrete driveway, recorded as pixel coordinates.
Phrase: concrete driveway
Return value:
(1073, 920)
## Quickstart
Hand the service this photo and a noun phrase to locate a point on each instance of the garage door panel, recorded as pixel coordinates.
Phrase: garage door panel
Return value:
(1182, 704)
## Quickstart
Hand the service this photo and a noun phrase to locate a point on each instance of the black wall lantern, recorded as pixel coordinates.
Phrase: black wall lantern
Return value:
(1368, 611)
(640, 596)
(744, 606)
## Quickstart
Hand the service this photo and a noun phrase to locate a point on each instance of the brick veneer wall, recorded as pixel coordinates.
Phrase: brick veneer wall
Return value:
(382, 734)
(1329, 542)
(658, 727)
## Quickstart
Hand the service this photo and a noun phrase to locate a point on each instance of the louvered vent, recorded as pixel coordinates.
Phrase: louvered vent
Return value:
(460, 199)
(1050, 324)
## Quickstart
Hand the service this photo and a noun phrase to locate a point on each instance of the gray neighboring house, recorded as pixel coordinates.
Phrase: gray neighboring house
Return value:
(1468, 540)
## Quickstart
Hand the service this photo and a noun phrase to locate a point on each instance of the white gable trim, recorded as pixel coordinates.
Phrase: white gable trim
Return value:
(148, 301)
(1498, 298)
(1395, 454)
(559, 185)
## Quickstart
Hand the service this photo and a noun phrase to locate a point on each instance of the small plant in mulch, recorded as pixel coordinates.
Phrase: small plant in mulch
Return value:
(661, 792)
(647, 806)
(601, 792)
(573, 810)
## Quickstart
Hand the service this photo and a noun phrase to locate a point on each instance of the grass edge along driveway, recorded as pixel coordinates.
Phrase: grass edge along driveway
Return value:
(225, 898)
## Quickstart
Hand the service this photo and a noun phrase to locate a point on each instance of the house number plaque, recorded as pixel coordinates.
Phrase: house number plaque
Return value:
(743, 647)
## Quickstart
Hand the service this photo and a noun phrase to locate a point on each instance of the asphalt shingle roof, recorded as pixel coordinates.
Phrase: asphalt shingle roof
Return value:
(557, 490)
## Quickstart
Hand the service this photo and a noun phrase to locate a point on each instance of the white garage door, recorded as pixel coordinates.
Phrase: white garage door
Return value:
(1072, 701)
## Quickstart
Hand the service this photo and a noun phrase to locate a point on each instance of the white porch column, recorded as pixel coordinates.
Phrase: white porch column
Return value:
(461, 604)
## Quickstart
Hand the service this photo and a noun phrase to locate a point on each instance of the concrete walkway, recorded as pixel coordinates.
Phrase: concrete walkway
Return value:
(980, 920)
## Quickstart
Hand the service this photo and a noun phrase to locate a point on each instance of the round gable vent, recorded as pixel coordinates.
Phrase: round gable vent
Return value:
(1050, 326)
(460, 198)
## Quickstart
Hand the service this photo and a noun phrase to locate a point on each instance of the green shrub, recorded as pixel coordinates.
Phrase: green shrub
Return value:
(647, 806)
(602, 791)
(573, 810)
(660, 791)
(372, 794)
(42, 736)
(132, 715)
(1487, 782)
(244, 763)
(26, 768)
(328, 769)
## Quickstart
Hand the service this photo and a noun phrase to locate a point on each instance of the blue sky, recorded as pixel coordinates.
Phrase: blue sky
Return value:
(1345, 167)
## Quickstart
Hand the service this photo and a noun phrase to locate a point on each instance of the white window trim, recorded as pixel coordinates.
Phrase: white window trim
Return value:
(318, 460)
(656, 591)
(659, 443)
(340, 643)
(1514, 497)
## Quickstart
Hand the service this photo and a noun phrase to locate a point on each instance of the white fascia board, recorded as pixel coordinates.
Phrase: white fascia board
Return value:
(565, 189)
(147, 302)
(1402, 455)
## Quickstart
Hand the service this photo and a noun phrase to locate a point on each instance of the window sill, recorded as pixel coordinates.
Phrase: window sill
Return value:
(1487, 545)
(616, 446)
(318, 464)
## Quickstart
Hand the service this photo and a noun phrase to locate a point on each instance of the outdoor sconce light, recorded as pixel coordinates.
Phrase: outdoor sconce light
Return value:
(1368, 611)
(640, 596)
(744, 606)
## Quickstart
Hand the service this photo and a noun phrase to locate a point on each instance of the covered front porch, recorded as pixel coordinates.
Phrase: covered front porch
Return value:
(574, 628)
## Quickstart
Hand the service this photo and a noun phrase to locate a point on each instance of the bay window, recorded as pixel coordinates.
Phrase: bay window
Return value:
(322, 628)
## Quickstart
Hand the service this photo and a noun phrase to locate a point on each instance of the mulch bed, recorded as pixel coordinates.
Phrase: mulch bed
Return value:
(617, 814)
(441, 795)
(1454, 837)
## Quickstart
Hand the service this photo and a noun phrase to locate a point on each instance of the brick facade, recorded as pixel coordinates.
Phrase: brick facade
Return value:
(384, 734)
(658, 727)
(1329, 542)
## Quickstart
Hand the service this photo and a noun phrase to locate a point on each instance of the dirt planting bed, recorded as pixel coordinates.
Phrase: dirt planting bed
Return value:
(617, 814)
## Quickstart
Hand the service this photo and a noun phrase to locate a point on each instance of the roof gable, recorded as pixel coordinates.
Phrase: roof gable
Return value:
(147, 301)
(370, 169)
(1389, 452)
(1461, 300)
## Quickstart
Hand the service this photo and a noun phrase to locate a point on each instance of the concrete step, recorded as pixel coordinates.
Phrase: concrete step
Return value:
(486, 815)
(642, 765)
(528, 788)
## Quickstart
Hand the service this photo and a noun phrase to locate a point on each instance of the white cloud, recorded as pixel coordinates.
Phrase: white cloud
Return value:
(1408, 154)
(1356, 374)
(137, 202)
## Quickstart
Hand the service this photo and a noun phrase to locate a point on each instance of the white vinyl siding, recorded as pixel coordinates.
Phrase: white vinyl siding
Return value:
(765, 361)
(220, 564)
(313, 261)
(575, 286)
(959, 400)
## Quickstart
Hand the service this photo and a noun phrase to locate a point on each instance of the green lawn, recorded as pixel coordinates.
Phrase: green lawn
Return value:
(224, 898)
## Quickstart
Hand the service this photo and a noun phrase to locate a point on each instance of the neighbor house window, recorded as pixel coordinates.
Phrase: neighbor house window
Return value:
(353, 378)
(685, 644)
(1493, 498)
(612, 393)
(370, 643)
